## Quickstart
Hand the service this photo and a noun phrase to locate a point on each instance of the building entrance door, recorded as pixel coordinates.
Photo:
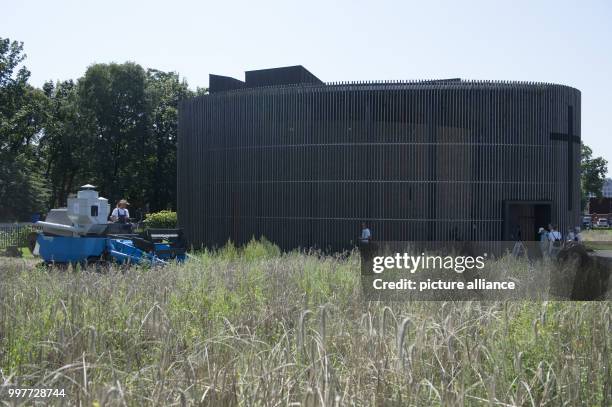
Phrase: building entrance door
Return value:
(522, 219)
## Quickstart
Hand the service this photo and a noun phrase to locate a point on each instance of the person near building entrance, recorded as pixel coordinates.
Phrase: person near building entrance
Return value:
(554, 237)
(366, 249)
(366, 235)
(544, 243)
(577, 234)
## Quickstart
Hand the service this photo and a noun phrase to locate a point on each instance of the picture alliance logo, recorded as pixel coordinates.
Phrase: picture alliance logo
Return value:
(410, 263)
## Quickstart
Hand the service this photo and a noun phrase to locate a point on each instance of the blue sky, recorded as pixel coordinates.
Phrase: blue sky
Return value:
(552, 41)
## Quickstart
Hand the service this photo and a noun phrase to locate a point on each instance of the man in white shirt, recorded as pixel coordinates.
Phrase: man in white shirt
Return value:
(121, 214)
(554, 235)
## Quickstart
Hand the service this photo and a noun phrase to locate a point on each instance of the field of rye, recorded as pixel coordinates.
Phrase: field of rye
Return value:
(256, 327)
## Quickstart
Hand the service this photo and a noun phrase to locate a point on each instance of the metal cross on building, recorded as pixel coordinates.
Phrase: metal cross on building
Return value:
(570, 138)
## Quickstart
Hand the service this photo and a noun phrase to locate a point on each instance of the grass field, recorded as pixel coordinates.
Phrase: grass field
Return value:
(598, 239)
(256, 327)
(598, 235)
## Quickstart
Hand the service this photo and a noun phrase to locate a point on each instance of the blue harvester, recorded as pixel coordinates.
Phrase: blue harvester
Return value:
(81, 234)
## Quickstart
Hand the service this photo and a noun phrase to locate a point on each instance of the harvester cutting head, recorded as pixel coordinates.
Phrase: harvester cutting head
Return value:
(81, 234)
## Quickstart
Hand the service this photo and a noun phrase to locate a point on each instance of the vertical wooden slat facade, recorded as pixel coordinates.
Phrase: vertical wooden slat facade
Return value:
(303, 165)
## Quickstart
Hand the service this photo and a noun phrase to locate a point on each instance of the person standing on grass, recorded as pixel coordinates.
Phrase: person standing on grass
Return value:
(577, 234)
(366, 234)
(543, 234)
(366, 248)
(554, 238)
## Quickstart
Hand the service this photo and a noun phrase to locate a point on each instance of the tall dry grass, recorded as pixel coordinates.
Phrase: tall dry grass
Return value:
(255, 327)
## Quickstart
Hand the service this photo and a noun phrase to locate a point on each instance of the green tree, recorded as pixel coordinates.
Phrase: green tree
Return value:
(164, 90)
(116, 127)
(23, 114)
(64, 144)
(118, 130)
(593, 173)
(113, 105)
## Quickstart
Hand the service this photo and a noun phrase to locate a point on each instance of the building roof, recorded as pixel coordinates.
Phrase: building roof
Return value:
(288, 75)
(298, 75)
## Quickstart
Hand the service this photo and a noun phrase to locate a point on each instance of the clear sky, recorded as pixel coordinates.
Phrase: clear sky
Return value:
(567, 42)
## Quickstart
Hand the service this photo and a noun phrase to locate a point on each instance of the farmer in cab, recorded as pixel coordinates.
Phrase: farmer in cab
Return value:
(121, 214)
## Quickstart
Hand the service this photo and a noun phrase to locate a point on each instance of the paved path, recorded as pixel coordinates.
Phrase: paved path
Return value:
(603, 253)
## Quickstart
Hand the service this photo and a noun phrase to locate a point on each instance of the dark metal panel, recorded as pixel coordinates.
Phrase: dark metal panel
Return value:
(303, 165)
(218, 83)
(289, 75)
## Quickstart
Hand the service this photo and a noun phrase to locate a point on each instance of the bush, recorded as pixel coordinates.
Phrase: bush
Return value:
(259, 250)
(229, 251)
(254, 250)
(161, 220)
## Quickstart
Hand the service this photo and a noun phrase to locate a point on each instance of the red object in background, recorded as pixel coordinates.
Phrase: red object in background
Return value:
(600, 207)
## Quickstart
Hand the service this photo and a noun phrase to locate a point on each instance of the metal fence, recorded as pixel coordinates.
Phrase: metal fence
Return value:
(15, 234)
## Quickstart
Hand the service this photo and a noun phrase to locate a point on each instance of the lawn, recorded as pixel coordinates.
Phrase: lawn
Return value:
(597, 235)
(598, 239)
(257, 327)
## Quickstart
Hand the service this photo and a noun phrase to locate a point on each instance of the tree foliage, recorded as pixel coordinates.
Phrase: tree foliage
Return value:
(23, 115)
(593, 173)
(115, 127)
(113, 105)
(63, 145)
(164, 90)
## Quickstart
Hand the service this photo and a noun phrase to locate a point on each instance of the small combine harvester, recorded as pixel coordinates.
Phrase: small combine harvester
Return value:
(81, 234)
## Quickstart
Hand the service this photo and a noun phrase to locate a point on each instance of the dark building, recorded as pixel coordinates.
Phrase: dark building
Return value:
(301, 162)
